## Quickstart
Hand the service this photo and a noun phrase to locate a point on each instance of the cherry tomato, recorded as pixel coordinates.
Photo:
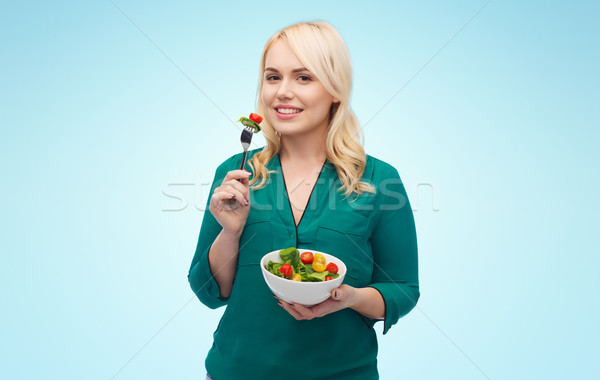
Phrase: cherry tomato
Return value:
(296, 277)
(332, 268)
(286, 270)
(318, 262)
(327, 278)
(256, 118)
(306, 257)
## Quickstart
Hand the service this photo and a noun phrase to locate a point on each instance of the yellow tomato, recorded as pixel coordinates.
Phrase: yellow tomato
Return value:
(296, 277)
(319, 263)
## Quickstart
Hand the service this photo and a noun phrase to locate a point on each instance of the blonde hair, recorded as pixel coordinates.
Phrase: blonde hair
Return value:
(324, 53)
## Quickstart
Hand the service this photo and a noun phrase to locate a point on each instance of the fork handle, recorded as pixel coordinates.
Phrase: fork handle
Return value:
(243, 160)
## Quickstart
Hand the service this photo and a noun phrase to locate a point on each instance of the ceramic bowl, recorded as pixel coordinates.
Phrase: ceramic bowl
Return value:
(303, 293)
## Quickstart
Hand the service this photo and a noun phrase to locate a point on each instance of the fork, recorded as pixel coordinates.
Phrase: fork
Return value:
(246, 139)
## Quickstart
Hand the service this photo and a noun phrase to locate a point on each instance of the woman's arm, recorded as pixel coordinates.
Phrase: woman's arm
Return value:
(214, 264)
(394, 247)
(230, 205)
(222, 259)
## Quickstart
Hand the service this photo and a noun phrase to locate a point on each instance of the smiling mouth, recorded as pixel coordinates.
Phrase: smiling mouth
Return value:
(288, 111)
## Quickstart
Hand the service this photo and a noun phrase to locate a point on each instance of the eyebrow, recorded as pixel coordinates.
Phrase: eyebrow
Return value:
(298, 70)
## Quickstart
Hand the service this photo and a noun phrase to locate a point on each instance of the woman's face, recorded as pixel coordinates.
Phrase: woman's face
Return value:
(294, 100)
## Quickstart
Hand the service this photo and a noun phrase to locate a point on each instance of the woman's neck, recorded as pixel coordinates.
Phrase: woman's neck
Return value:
(302, 150)
(305, 149)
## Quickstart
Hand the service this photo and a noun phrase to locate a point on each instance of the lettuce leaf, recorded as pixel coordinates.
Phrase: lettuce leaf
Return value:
(291, 256)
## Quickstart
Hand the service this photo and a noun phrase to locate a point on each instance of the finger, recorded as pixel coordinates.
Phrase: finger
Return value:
(336, 294)
(236, 194)
(244, 189)
(343, 295)
(326, 307)
(244, 181)
(291, 310)
(223, 201)
(221, 196)
(302, 310)
(237, 174)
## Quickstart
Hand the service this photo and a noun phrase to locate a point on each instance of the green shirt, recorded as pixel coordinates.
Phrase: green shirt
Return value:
(373, 234)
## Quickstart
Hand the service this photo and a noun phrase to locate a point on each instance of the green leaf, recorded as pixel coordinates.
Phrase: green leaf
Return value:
(273, 267)
(285, 254)
(290, 256)
(319, 276)
(309, 268)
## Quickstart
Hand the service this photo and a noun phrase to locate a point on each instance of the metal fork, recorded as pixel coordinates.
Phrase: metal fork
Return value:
(246, 139)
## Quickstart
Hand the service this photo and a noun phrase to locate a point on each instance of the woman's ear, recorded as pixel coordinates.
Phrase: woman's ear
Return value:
(335, 100)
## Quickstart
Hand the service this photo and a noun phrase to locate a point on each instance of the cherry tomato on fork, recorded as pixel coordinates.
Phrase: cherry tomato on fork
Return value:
(256, 118)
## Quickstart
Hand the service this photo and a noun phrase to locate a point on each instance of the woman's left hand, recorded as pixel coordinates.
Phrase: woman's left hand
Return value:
(341, 298)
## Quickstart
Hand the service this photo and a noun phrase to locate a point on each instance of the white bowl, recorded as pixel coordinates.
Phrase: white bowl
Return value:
(303, 293)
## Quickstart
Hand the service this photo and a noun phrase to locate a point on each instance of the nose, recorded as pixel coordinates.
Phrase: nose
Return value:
(284, 91)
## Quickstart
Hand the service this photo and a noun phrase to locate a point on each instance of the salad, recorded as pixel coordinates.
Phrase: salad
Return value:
(252, 122)
(305, 267)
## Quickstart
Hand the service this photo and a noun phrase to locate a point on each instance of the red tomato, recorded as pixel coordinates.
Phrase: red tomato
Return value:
(306, 257)
(327, 278)
(255, 118)
(286, 270)
(332, 268)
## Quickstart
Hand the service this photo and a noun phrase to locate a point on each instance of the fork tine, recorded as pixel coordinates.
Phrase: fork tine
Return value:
(246, 139)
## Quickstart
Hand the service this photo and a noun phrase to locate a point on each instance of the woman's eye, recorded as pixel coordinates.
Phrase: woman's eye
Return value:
(302, 78)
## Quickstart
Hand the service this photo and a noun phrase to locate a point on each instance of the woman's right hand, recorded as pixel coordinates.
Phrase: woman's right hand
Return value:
(230, 203)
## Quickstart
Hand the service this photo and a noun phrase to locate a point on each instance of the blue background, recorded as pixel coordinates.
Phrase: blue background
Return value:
(115, 115)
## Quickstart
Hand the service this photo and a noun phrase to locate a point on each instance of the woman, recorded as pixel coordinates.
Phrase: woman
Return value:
(312, 186)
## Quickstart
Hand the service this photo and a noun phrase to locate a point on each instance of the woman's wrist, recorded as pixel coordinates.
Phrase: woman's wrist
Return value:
(368, 302)
(231, 235)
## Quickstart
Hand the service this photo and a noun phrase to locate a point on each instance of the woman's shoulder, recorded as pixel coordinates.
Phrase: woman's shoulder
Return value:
(377, 169)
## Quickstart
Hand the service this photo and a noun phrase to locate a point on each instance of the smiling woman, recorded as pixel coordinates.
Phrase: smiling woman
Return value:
(313, 187)
(290, 93)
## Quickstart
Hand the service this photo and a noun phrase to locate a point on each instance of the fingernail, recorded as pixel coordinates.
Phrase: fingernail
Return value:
(280, 304)
(335, 294)
(292, 305)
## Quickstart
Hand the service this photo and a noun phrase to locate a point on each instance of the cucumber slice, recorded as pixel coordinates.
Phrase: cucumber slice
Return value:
(249, 123)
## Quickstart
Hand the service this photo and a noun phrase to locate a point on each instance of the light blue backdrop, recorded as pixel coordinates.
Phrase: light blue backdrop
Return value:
(115, 114)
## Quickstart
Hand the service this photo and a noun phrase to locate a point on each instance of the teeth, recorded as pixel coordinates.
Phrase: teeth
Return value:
(288, 110)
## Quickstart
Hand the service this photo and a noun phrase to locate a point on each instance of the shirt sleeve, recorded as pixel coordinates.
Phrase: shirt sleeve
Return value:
(200, 277)
(394, 244)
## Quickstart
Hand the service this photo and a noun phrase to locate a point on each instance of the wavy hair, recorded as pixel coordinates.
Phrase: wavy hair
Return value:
(324, 53)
